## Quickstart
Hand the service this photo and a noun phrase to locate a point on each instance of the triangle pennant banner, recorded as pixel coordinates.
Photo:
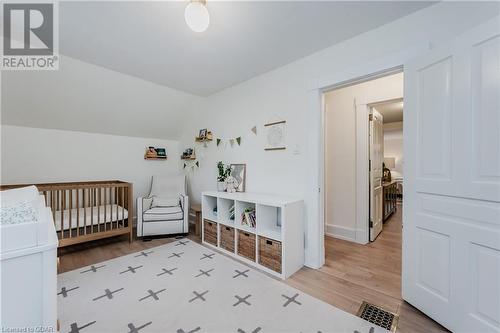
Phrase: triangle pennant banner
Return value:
(254, 130)
(238, 140)
(184, 166)
(197, 164)
(218, 141)
(231, 141)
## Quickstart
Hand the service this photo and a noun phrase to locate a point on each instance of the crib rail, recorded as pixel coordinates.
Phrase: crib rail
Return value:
(85, 211)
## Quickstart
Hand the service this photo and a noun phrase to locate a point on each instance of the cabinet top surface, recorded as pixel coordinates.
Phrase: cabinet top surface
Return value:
(262, 198)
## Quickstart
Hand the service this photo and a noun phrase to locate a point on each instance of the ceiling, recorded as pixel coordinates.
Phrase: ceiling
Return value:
(391, 111)
(150, 40)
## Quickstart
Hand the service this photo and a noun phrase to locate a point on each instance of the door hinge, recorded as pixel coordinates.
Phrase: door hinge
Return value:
(370, 224)
(370, 117)
(369, 165)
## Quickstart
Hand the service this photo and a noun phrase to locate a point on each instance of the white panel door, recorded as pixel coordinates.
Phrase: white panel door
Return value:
(451, 234)
(376, 172)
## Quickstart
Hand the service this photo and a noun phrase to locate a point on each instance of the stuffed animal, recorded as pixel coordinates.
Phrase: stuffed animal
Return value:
(231, 184)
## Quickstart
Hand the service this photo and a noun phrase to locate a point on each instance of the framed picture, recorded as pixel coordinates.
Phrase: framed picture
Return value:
(161, 152)
(275, 135)
(203, 133)
(239, 172)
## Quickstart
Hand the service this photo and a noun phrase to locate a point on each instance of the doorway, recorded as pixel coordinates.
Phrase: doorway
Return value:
(363, 218)
(356, 191)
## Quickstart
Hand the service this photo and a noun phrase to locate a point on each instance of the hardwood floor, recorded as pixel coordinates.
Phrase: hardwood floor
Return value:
(352, 272)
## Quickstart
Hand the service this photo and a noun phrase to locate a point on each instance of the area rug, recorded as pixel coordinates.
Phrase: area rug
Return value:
(184, 287)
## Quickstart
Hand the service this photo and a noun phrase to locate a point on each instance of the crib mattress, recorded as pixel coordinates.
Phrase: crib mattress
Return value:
(96, 215)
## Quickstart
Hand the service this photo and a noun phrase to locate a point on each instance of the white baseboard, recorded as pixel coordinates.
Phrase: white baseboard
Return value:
(344, 233)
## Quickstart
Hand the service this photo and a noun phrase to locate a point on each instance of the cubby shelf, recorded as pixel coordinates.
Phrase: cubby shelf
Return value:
(278, 220)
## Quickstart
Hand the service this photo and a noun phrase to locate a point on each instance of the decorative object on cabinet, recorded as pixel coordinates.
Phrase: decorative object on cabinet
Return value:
(224, 172)
(153, 153)
(239, 172)
(275, 135)
(231, 184)
(275, 241)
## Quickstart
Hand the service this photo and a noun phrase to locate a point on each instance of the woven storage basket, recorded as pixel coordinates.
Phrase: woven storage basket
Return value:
(270, 253)
(210, 232)
(227, 238)
(246, 245)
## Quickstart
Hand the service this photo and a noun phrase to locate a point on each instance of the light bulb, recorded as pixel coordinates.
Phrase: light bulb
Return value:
(197, 16)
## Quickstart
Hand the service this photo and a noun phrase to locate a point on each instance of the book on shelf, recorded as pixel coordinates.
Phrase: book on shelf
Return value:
(248, 217)
(231, 212)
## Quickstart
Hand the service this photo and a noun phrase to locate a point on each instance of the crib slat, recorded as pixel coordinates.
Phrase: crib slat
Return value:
(53, 205)
(105, 209)
(99, 209)
(121, 203)
(63, 206)
(92, 199)
(84, 212)
(77, 212)
(70, 211)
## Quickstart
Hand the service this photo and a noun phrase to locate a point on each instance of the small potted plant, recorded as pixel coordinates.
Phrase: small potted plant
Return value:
(223, 174)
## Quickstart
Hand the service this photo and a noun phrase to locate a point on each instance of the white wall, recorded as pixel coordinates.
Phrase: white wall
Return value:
(340, 150)
(290, 93)
(33, 155)
(88, 98)
(393, 146)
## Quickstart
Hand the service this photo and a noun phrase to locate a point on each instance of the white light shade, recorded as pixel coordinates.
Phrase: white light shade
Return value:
(197, 16)
(390, 163)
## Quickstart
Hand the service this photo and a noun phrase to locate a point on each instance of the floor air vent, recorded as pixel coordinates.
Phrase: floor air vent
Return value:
(378, 316)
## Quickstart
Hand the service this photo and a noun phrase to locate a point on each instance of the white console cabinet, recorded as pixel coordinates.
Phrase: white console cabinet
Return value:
(272, 239)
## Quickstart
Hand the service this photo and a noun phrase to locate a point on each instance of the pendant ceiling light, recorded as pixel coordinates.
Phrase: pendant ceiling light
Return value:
(197, 16)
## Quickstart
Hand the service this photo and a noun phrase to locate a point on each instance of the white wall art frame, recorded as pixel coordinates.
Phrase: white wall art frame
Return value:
(275, 135)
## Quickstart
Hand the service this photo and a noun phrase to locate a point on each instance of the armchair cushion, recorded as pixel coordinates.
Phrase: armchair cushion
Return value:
(168, 186)
(145, 203)
(163, 214)
(165, 201)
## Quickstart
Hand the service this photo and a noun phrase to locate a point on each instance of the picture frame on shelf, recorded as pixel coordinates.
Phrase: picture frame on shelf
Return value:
(203, 133)
(238, 172)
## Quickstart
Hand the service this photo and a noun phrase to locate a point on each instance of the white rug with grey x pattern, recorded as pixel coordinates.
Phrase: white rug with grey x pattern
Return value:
(183, 287)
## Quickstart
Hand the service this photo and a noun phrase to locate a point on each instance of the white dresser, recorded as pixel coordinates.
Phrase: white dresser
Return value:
(28, 269)
(266, 231)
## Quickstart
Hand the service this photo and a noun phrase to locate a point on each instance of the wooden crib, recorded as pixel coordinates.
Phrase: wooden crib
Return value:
(86, 211)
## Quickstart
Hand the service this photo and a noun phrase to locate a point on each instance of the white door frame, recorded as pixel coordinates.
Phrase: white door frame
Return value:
(362, 110)
(316, 143)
